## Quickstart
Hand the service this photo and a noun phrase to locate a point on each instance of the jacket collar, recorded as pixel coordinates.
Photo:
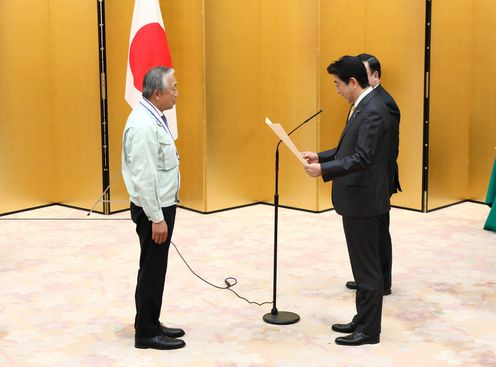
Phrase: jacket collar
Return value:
(355, 115)
(363, 103)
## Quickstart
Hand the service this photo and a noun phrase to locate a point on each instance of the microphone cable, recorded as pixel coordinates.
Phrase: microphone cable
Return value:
(229, 281)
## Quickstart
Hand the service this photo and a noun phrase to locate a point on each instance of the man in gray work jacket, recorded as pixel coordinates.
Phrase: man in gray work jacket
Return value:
(150, 167)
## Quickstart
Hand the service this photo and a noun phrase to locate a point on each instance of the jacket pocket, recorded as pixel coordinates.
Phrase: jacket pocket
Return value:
(167, 158)
(358, 179)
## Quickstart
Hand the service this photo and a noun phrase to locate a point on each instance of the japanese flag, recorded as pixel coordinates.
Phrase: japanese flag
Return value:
(147, 48)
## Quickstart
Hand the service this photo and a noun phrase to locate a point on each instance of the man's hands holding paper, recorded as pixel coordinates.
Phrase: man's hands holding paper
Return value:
(313, 169)
(310, 157)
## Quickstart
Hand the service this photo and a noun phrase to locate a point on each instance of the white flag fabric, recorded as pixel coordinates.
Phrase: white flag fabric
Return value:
(148, 47)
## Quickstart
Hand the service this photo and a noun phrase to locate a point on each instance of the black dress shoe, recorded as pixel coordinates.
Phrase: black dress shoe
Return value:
(161, 342)
(171, 332)
(352, 285)
(345, 328)
(357, 338)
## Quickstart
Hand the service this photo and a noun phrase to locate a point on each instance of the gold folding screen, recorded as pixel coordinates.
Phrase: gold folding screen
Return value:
(186, 35)
(393, 31)
(50, 149)
(183, 22)
(75, 103)
(232, 70)
(289, 80)
(462, 129)
(450, 91)
(270, 59)
(482, 132)
(118, 16)
(25, 105)
(237, 62)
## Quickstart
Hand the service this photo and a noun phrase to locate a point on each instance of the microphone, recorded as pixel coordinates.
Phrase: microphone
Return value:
(300, 125)
(280, 317)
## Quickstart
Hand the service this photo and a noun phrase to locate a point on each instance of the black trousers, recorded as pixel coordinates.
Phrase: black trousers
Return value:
(362, 238)
(385, 249)
(151, 273)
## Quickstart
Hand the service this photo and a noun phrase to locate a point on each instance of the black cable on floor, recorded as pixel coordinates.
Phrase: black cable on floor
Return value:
(229, 281)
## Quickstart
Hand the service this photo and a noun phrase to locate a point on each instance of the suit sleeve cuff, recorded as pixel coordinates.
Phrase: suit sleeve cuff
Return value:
(324, 167)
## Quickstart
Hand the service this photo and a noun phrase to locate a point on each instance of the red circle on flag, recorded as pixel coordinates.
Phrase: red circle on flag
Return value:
(148, 48)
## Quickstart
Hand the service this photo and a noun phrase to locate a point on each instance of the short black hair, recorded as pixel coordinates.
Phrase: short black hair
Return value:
(348, 67)
(373, 62)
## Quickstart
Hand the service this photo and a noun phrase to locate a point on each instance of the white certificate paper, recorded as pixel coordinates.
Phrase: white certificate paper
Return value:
(281, 133)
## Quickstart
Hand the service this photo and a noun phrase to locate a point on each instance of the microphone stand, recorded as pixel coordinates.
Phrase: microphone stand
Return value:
(280, 317)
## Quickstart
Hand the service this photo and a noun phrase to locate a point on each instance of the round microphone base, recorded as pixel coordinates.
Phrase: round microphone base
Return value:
(281, 318)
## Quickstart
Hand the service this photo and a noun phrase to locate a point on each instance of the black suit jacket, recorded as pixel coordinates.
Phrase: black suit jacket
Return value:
(358, 166)
(394, 111)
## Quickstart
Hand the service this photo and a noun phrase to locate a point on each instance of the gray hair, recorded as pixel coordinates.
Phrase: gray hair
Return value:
(155, 79)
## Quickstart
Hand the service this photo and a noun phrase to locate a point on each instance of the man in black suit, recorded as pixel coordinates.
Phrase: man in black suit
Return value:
(373, 67)
(358, 167)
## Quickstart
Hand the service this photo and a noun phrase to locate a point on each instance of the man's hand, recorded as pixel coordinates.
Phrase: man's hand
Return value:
(310, 157)
(159, 232)
(313, 170)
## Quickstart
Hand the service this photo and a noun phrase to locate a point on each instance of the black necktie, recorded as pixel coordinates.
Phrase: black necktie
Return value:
(165, 121)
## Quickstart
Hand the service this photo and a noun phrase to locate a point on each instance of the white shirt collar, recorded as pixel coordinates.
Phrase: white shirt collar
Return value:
(362, 96)
(154, 110)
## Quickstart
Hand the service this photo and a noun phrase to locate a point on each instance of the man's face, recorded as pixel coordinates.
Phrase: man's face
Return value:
(166, 99)
(346, 90)
(373, 77)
